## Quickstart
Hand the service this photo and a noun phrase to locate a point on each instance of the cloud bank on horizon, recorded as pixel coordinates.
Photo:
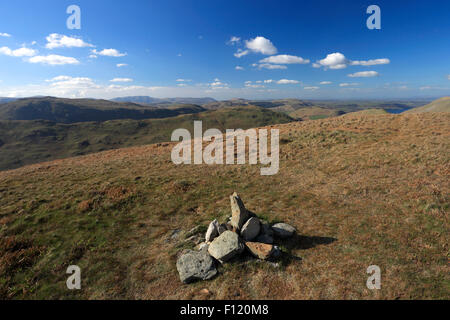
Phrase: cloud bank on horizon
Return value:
(264, 59)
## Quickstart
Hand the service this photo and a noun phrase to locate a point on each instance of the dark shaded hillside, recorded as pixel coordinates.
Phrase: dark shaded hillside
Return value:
(28, 142)
(84, 110)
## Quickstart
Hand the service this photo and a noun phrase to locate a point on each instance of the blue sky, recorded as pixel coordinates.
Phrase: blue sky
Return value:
(225, 49)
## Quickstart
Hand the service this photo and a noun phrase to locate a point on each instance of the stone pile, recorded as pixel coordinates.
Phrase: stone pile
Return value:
(223, 242)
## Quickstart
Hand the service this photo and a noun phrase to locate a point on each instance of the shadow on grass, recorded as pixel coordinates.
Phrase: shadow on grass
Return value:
(302, 243)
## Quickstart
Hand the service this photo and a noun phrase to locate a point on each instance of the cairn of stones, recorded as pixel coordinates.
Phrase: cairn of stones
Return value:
(224, 242)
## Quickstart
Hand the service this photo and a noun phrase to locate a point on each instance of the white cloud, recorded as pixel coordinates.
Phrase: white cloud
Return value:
(53, 60)
(448, 77)
(218, 84)
(239, 68)
(270, 66)
(345, 84)
(338, 61)
(120, 65)
(22, 52)
(249, 85)
(334, 61)
(241, 53)
(364, 74)
(286, 81)
(311, 88)
(183, 80)
(284, 59)
(234, 40)
(261, 45)
(326, 82)
(55, 40)
(109, 53)
(370, 62)
(121, 80)
(59, 78)
(6, 35)
(268, 81)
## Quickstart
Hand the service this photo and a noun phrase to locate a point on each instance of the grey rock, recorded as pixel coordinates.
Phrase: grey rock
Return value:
(194, 266)
(213, 231)
(226, 246)
(251, 229)
(239, 214)
(283, 230)
(203, 246)
(264, 238)
(222, 228)
(266, 229)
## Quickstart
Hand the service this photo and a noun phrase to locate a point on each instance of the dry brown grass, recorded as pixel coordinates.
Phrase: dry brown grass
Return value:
(360, 190)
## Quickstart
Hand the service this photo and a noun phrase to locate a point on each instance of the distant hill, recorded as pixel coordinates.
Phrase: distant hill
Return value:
(440, 105)
(368, 112)
(84, 110)
(6, 100)
(156, 101)
(27, 142)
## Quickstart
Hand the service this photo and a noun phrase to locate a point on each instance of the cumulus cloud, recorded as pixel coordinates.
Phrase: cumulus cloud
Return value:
(55, 40)
(239, 68)
(326, 82)
(311, 88)
(233, 41)
(121, 80)
(268, 81)
(53, 60)
(269, 66)
(218, 84)
(284, 59)
(183, 80)
(345, 84)
(364, 74)
(338, 61)
(22, 52)
(286, 81)
(241, 53)
(6, 35)
(370, 62)
(109, 53)
(261, 45)
(120, 65)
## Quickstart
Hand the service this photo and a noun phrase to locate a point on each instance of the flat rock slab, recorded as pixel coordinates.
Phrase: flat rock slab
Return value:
(251, 229)
(196, 265)
(226, 246)
(283, 230)
(239, 214)
(262, 251)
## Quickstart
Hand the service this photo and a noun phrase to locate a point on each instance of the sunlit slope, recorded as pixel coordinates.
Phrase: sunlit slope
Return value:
(362, 190)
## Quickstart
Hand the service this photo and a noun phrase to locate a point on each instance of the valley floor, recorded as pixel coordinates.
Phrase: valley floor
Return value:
(360, 189)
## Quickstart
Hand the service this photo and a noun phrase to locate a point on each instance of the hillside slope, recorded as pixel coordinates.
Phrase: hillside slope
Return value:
(361, 190)
(440, 105)
(84, 110)
(27, 142)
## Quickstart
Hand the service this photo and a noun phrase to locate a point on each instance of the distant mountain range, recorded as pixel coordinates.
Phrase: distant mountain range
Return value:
(156, 101)
(84, 110)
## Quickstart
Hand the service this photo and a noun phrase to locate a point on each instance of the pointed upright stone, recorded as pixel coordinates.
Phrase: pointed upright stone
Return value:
(239, 214)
